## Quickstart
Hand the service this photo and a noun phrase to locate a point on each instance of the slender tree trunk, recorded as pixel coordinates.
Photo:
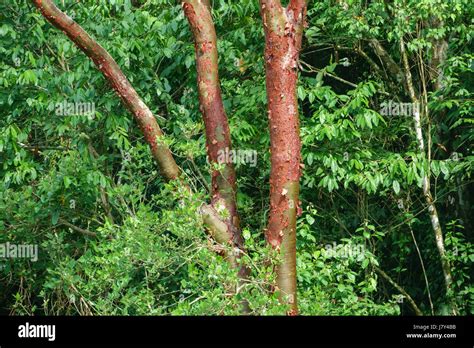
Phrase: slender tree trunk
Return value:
(404, 76)
(434, 217)
(218, 140)
(283, 34)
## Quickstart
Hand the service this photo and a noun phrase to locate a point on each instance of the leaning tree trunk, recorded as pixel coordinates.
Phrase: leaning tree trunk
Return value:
(119, 82)
(283, 28)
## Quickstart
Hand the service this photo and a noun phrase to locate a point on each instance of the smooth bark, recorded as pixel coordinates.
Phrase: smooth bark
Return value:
(439, 55)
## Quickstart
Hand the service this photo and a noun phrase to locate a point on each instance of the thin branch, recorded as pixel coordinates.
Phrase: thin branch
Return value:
(103, 194)
(395, 71)
(400, 289)
(423, 268)
(77, 229)
(314, 69)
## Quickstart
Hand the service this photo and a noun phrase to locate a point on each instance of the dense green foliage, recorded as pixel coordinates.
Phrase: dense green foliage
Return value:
(362, 178)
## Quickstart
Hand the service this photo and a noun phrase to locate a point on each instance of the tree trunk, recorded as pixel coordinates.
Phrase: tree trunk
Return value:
(439, 54)
(283, 34)
(218, 139)
(434, 217)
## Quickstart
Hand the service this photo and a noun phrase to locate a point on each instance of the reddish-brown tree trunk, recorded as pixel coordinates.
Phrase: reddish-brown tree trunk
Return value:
(283, 34)
(198, 13)
(107, 65)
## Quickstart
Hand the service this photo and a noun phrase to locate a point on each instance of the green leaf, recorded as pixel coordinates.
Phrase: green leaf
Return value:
(55, 217)
(444, 168)
(396, 187)
(67, 181)
(301, 93)
(365, 263)
(246, 234)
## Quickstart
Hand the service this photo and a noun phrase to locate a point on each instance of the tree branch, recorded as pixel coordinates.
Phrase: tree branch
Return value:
(114, 75)
(395, 71)
(400, 289)
(77, 229)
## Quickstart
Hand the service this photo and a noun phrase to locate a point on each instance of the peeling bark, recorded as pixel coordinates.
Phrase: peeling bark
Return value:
(218, 139)
(283, 34)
